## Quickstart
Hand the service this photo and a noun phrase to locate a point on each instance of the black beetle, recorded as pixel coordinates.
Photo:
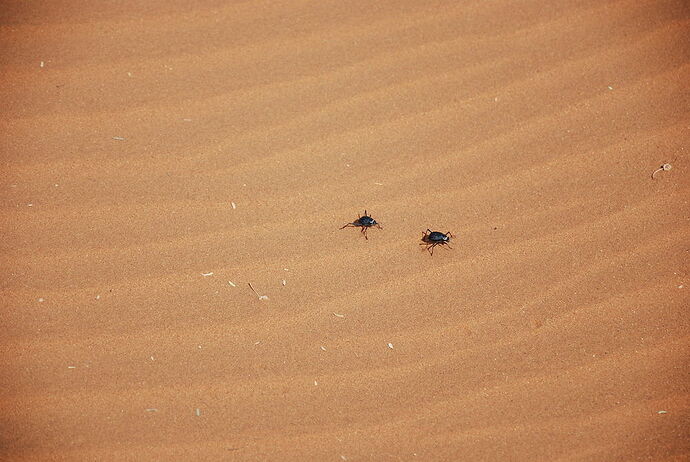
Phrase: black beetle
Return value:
(365, 222)
(434, 238)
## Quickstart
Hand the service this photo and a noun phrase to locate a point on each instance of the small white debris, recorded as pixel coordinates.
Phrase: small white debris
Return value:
(662, 412)
(98, 297)
(283, 282)
(129, 74)
(339, 315)
(187, 120)
(41, 300)
(200, 347)
(56, 185)
(232, 283)
(263, 297)
(207, 274)
(379, 184)
(610, 87)
(496, 98)
(152, 409)
(234, 206)
(315, 383)
(664, 168)
(42, 64)
(152, 358)
(286, 269)
(343, 457)
(323, 348)
(390, 345)
(118, 138)
(256, 343)
(681, 286)
(197, 412)
(29, 205)
(71, 367)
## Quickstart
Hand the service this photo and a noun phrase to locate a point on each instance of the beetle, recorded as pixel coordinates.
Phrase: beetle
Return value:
(433, 238)
(365, 222)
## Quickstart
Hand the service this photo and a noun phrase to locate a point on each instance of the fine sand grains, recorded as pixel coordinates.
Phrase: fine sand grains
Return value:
(200, 146)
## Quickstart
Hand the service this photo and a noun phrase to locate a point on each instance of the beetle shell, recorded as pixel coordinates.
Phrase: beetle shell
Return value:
(436, 236)
(365, 221)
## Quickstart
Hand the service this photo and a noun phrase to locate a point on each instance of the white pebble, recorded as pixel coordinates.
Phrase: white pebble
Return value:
(390, 345)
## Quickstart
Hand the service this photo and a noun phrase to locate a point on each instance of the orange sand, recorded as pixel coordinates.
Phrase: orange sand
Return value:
(556, 328)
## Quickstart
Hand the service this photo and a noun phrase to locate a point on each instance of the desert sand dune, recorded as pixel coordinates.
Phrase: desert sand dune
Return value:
(158, 157)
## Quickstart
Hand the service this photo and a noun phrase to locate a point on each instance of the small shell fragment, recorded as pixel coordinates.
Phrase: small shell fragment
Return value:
(390, 345)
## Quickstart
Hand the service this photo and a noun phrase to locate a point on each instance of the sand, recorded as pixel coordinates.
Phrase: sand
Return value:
(157, 157)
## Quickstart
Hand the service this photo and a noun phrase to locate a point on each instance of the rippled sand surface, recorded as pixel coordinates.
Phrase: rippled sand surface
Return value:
(157, 157)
